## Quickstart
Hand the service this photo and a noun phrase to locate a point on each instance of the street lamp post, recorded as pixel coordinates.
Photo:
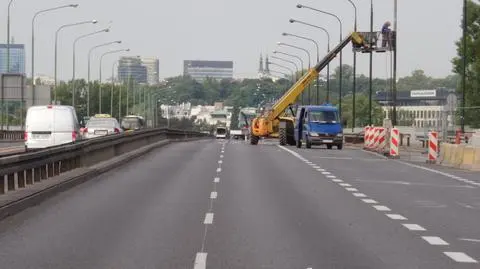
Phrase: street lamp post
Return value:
(119, 93)
(464, 65)
(100, 77)
(282, 66)
(88, 71)
(106, 30)
(288, 61)
(304, 50)
(328, 49)
(8, 35)
(33, 41)
(56, 46)
(354, 89)
(341, 67)
(370, 91)
(318, 59)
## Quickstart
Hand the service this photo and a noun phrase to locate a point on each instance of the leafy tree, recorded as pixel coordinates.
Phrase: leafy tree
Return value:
(234, 120)
(472, 94)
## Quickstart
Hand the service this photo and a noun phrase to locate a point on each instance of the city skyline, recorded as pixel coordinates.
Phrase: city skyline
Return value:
(240, 40)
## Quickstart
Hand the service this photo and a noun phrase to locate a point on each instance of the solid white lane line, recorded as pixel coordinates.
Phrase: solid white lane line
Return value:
(345, 185)
(200, 261)
(396, 217)
(435, 240)
(441, 173)
(460, 257)
(381, 208)
(337, 180)
(208, 218)
(369, 201)
(414, 227)
(216, 180)
(359, 195)
(470, 240)
(351, 189)
(213, 195)
(219, 170)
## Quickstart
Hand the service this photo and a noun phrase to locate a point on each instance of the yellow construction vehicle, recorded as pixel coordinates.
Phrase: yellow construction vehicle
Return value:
(276, 120)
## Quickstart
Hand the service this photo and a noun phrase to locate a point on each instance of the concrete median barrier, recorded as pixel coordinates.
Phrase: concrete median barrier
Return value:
(468, 157)
(476, 162)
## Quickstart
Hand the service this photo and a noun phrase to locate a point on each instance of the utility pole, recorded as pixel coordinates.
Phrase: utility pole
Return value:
(464, 63)
(395, 38)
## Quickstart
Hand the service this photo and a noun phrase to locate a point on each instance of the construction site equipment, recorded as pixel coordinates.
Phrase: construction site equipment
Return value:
(275, 119)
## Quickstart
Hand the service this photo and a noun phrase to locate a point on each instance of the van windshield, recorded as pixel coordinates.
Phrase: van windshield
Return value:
(323, 116)
(221, 131)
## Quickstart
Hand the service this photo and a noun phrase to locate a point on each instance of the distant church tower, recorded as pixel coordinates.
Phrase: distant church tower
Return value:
(260, 67)
(267, 67)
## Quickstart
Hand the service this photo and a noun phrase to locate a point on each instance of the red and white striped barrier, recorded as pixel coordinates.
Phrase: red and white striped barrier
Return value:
(432, 147)
(382, 140)
(366, 137)
(376, 135)
(394, 142)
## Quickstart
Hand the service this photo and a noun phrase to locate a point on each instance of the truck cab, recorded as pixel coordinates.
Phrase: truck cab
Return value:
(318, 125)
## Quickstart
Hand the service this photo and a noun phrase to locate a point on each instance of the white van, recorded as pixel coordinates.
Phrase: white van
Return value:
(51, 125)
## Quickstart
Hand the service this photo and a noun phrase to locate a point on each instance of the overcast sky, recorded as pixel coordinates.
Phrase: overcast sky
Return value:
(175, 30)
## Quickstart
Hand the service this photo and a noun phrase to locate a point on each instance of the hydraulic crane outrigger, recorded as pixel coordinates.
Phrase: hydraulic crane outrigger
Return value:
(272, 121)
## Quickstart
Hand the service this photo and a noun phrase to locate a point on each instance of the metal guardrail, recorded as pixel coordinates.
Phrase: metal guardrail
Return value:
(11, 135)
(24, 169)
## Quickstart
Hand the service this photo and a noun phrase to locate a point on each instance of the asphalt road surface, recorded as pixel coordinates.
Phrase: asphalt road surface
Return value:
(232, 205)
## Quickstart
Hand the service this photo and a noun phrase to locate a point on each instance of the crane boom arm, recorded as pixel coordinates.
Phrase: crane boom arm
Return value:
(291, 95)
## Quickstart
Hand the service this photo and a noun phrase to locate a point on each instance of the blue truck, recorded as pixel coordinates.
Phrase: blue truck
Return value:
(318, 125)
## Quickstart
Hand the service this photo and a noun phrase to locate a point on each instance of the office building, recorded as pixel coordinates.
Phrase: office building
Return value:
(17, 58)
(200, 70)
(132, 67)
(432, 108)
(153, 66)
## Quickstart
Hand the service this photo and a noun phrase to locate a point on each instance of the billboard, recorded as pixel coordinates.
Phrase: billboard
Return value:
(423, 93)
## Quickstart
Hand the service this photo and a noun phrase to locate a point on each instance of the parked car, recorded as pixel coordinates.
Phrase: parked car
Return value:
(101, 126)
(50, 125)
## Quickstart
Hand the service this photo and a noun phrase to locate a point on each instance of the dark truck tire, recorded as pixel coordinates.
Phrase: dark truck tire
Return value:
(299, 144)
(282, 135)
(329, 146)
(308, 144)
(254, 140)
(340, 146)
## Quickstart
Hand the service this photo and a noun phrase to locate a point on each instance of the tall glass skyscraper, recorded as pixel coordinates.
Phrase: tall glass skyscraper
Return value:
(17, 58)
(200, 70)
(132, 67)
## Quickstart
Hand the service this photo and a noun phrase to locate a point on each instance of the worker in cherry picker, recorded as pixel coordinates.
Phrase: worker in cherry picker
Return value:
(386, 35)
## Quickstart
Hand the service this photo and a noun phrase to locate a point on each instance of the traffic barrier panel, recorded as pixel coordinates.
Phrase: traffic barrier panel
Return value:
(394, 142)
(366, 137)
(376, 135)
(468, 157)
(371, 136)
(476, 162)
(382, 140)
(445, 153)
(432, 147)
(458, 156)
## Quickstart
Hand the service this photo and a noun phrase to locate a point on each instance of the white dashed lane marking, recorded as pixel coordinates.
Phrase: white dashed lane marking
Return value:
(200, 261)
(213, 195)
(414, 227)
(460, 257)
(435, 240)
(432, 240)
(396, 217)
(381, 208)
(219, 170)
(208, 218)
(220, 161)
(369, 201)
(216, 180)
